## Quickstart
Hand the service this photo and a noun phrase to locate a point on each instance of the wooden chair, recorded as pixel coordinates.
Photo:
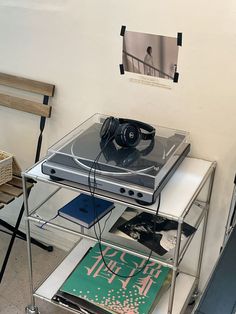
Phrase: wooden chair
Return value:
(13, 188)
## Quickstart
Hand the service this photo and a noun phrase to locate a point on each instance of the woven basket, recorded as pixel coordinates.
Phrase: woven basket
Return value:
(5, 167)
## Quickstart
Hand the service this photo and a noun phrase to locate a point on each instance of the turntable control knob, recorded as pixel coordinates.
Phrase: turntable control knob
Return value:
(140, 194)
(131, 192)
(122, 190)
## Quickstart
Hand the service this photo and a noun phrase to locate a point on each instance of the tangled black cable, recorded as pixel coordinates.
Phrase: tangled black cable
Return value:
(92, 188)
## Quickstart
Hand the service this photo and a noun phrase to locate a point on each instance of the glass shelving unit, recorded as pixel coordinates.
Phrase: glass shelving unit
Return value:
(185, 198)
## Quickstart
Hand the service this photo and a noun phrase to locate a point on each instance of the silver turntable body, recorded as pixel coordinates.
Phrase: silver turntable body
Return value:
(139, 173)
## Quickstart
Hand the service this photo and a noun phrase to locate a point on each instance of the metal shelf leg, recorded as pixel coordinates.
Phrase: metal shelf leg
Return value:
(175, 273)
(32, 308)
(204, 227)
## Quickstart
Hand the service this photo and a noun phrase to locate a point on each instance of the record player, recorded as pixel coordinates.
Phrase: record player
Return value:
(138, 172)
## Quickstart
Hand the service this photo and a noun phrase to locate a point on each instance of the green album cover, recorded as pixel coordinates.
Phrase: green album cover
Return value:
(92, 281)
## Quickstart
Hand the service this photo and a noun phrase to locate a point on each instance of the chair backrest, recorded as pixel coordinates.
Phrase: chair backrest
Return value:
(19, 103)
(29, 85)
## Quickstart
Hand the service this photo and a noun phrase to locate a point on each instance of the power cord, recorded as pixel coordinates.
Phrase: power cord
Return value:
(92, 188)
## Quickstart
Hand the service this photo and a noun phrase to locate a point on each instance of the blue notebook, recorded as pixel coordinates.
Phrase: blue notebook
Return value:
(85, 210)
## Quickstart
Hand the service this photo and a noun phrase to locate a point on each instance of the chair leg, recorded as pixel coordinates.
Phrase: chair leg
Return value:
(22, 235)
(15, 231)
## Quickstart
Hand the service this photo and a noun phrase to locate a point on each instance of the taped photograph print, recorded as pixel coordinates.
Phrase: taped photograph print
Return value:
(151, 55)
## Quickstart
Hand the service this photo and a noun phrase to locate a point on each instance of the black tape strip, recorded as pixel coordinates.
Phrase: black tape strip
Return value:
(179, 39)
(122, 71)
(122, 31)
(176, 77)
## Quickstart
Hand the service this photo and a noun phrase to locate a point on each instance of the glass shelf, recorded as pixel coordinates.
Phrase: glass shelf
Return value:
(45, 216)
(185, 283)
(176, 197)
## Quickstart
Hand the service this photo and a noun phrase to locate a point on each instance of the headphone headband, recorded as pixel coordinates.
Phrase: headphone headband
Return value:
(147, 127)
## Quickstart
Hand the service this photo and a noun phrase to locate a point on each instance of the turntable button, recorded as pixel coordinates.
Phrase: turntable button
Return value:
(131, 192)
(122, 190)
(53, 171)
(140, 194)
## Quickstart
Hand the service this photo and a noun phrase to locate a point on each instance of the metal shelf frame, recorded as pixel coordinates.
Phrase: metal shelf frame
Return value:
(208, 175)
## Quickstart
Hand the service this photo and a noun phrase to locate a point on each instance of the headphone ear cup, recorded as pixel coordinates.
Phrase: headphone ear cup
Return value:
(119, 135)
(127, 135)
(108, 128)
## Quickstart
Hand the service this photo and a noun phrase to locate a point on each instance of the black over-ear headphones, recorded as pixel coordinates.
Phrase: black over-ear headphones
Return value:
(126, 132)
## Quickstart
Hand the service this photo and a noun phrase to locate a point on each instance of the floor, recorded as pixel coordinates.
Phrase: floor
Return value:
(14, 290)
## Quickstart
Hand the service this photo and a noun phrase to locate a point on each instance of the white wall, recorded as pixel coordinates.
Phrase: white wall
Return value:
(76, 45)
